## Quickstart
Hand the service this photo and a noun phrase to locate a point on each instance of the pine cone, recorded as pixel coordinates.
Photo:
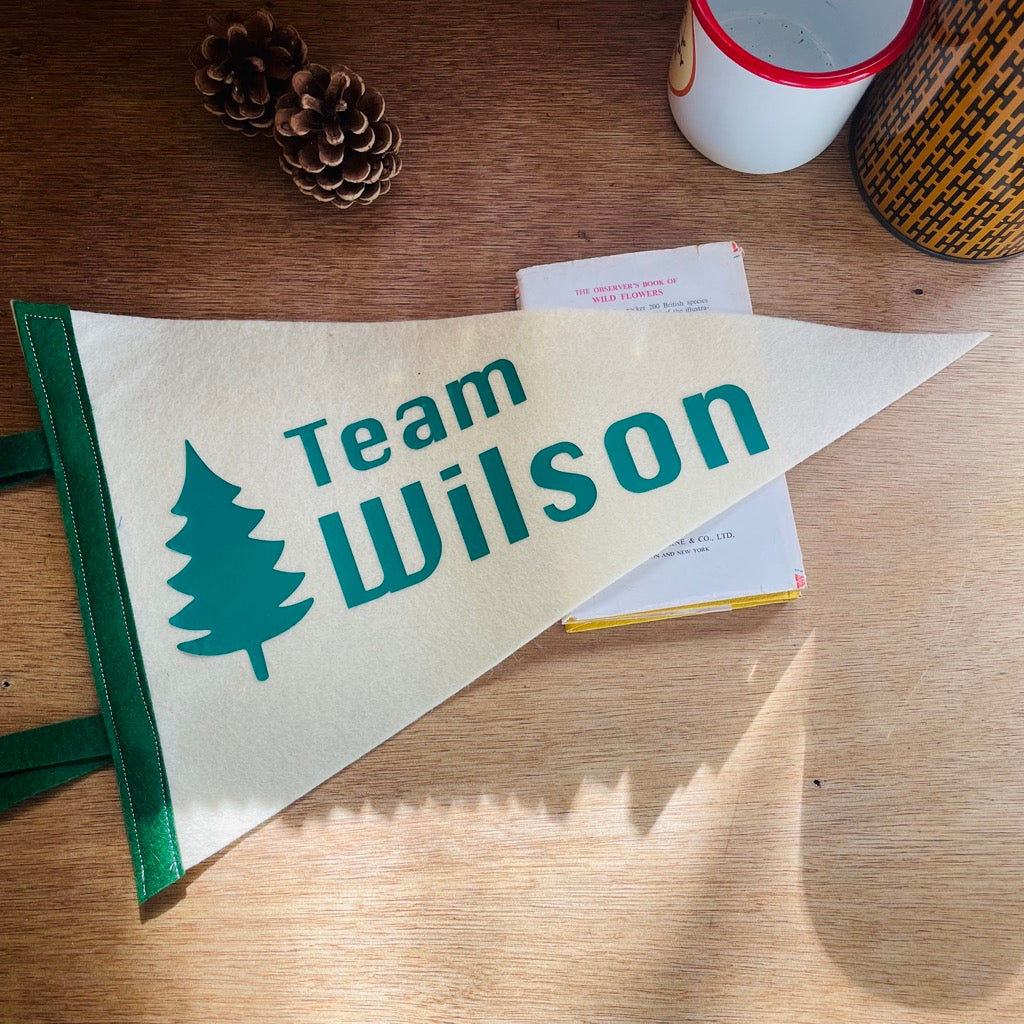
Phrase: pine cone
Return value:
(335, 141)
(244, 67)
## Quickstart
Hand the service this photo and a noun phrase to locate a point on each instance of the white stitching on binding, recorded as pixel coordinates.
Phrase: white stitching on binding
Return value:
(120, 597)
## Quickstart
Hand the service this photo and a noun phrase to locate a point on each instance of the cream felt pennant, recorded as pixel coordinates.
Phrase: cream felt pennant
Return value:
(293, 539)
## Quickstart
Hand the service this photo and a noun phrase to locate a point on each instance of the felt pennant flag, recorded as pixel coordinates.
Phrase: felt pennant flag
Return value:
(290, 540)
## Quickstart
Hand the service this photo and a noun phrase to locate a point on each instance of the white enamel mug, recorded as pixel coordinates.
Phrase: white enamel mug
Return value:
(765, 86)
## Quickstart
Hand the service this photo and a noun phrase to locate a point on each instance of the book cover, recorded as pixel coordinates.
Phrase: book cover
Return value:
(749, 555)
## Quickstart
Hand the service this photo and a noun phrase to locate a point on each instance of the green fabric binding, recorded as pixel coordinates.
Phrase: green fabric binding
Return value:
(21, 785)
(48, 341)
(35, 760)
(76, 739)
(22, 457)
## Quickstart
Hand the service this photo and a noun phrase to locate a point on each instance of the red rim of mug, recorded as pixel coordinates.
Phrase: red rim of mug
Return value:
(811, 79)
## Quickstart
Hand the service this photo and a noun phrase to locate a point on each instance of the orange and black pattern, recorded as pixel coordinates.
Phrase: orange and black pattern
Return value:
(938, 141)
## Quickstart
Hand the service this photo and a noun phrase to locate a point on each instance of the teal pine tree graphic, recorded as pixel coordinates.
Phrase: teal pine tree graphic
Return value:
(237, 594)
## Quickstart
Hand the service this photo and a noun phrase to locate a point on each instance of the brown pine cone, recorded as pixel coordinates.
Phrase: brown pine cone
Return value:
(335, 141)
(244, 66)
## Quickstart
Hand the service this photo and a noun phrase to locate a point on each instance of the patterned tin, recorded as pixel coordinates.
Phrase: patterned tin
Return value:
(937, 143)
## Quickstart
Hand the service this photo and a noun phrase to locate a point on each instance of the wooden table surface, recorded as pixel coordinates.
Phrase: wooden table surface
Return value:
(806, 813)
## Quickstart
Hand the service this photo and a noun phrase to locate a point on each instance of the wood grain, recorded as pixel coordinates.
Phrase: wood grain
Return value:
(786, 814)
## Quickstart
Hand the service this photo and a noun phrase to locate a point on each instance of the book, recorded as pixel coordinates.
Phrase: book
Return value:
(750, 554)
